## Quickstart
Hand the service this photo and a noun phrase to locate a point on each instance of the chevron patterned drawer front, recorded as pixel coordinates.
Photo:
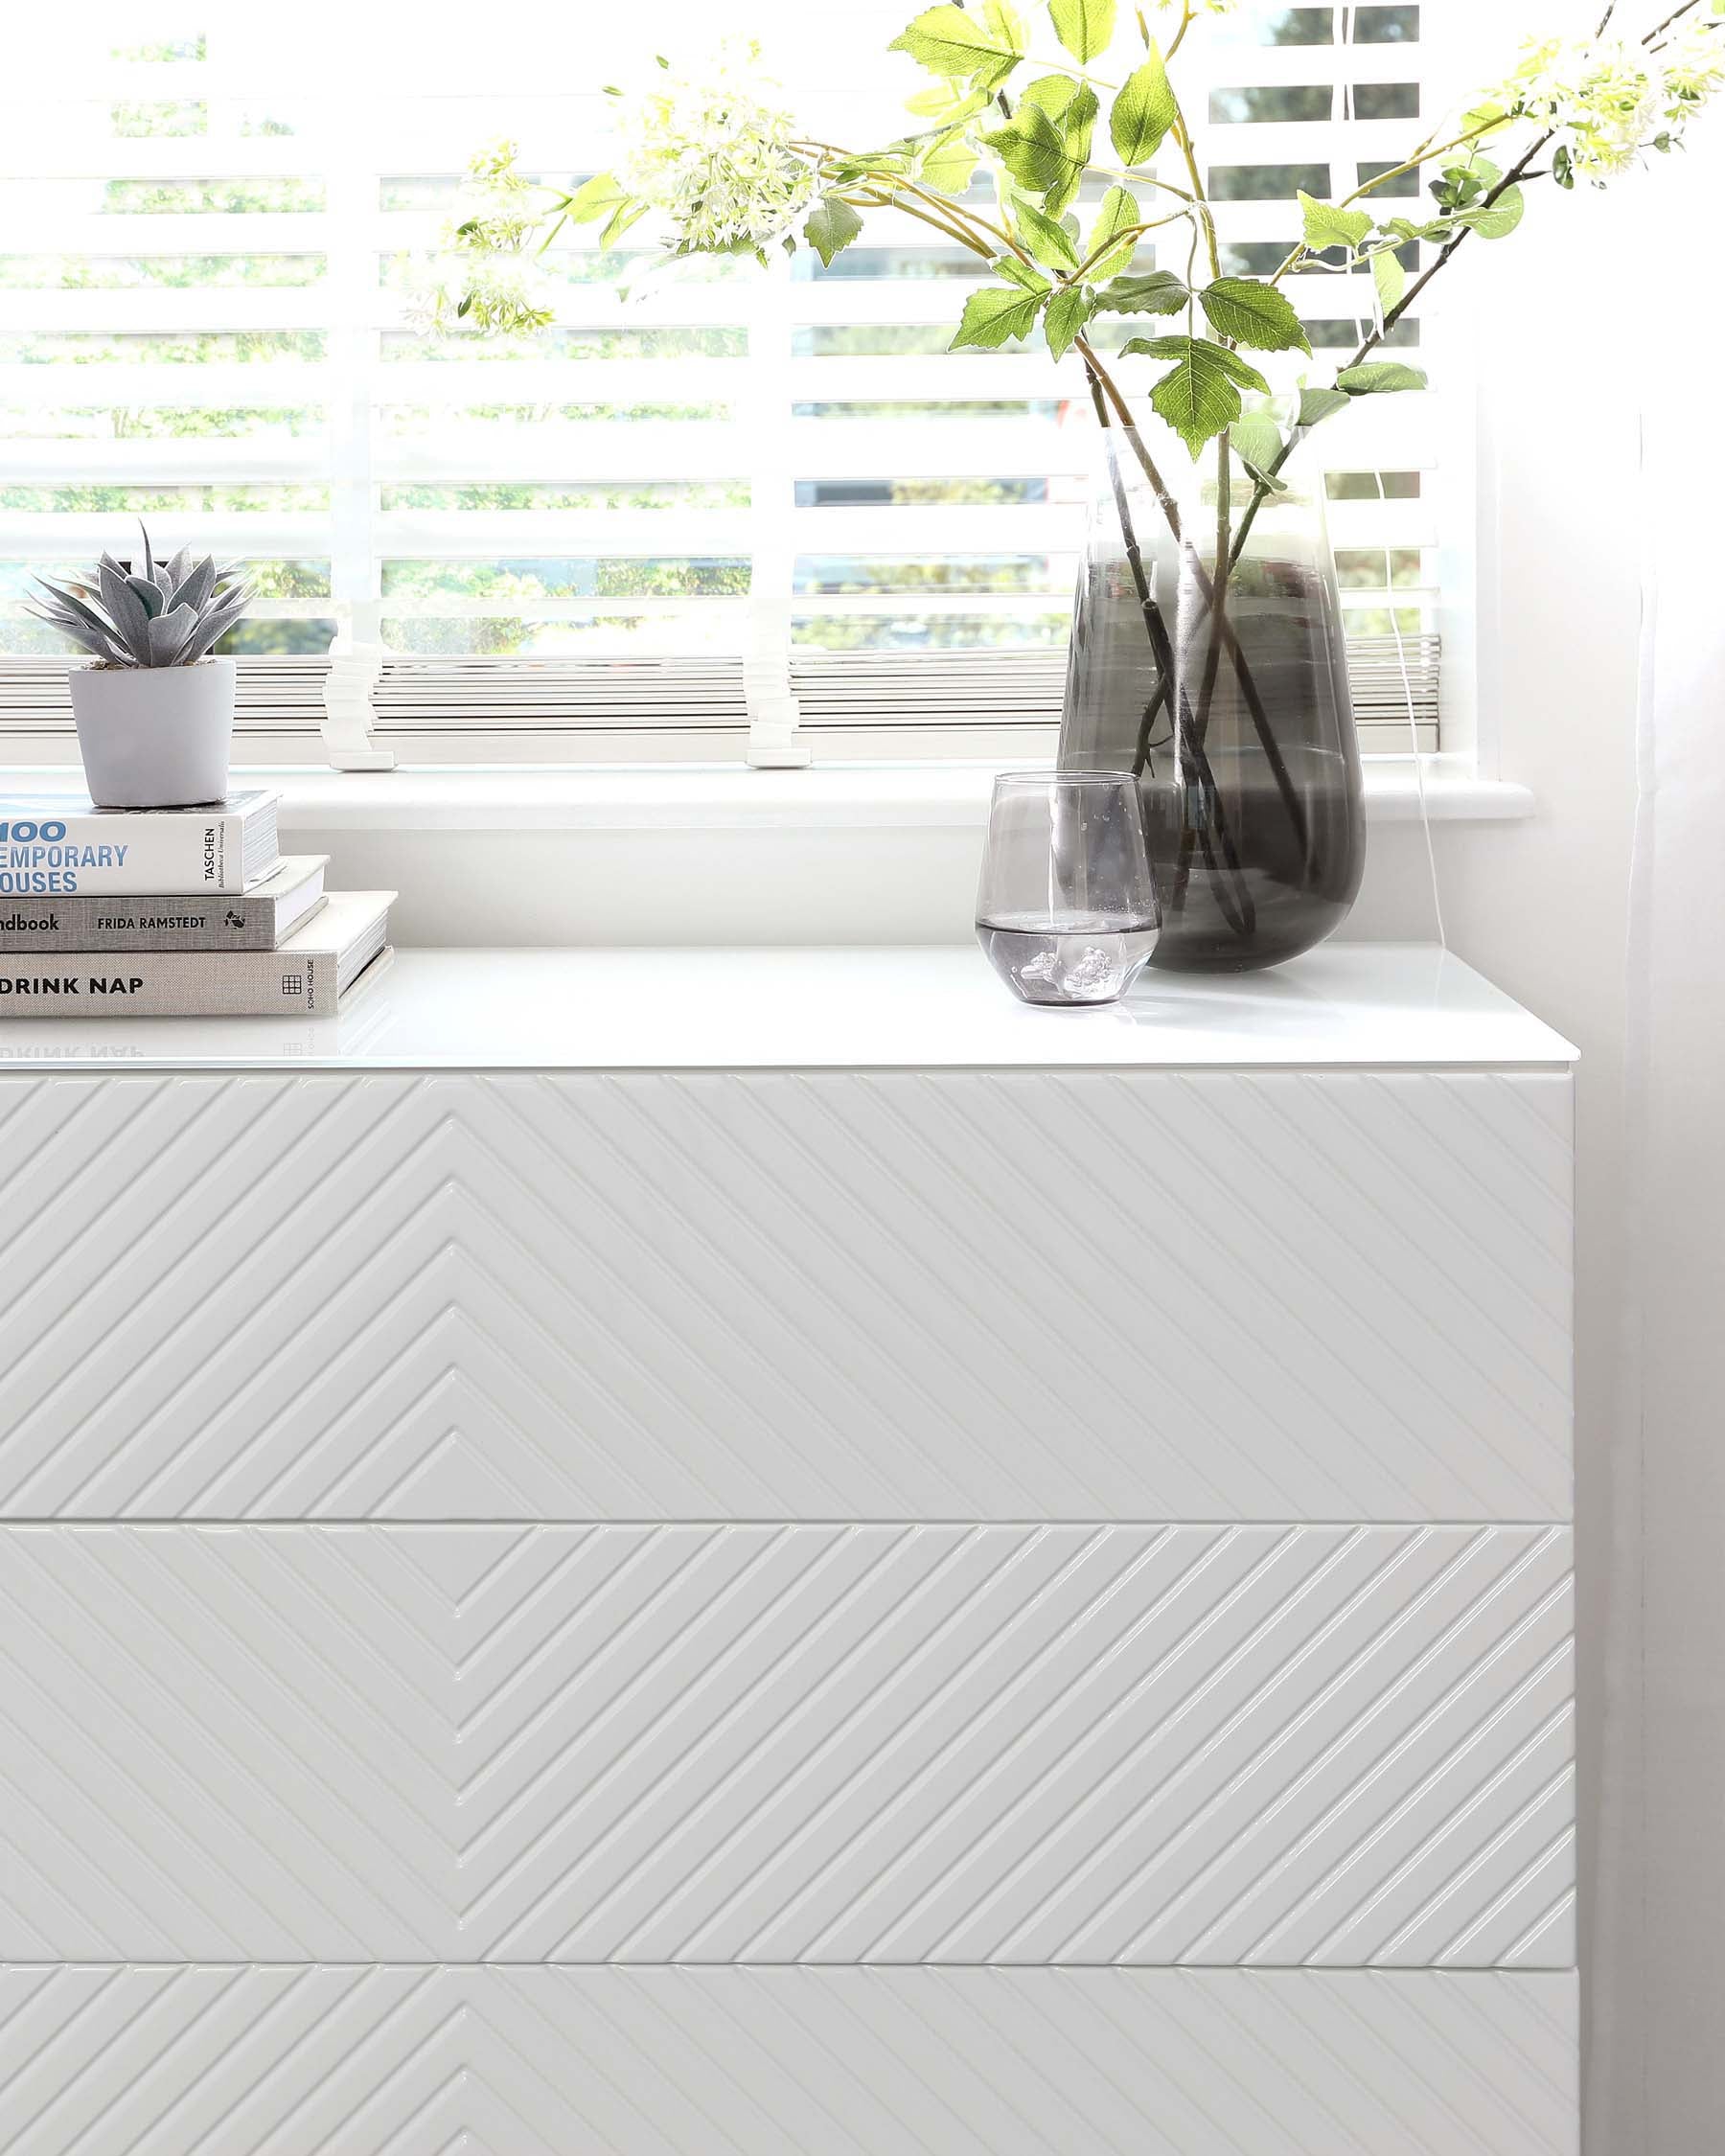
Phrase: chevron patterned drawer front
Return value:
(1234, 1745)
(166, 2061)
(1148, 1296)
(831, 1611)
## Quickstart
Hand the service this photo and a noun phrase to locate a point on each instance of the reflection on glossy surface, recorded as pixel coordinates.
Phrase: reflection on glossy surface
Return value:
(823, 1009)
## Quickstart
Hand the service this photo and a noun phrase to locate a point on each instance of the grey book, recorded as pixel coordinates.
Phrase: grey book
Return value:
(255, 919)
(302, 979)
(55, 845)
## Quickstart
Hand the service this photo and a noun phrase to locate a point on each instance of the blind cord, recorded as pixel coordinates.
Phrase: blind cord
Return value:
(1425, 816)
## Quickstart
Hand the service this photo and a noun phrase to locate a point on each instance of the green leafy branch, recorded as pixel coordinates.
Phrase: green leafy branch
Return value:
(1034, 128)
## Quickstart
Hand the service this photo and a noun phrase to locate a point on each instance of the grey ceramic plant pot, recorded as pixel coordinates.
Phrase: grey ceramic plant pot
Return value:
(156, 737)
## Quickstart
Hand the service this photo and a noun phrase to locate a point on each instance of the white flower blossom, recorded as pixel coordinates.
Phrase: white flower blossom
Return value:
(1609, 100)
(490, 294)
(487, 275)
(1694, 66)
(711, 151)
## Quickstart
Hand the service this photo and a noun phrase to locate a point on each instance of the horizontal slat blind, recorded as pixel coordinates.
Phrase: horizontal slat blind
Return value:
(210, 228)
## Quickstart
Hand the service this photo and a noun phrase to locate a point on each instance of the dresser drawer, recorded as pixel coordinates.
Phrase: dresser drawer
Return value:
(1263, 1745)
(784, 2062)
(1027, 1296)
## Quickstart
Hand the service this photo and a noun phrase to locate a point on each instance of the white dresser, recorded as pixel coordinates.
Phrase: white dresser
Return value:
(767, 1552)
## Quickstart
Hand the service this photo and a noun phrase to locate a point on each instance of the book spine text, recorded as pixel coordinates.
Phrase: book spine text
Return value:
(168, 984)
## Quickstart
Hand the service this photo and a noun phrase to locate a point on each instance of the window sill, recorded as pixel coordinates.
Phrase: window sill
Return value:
(673, 854)
(720, 797)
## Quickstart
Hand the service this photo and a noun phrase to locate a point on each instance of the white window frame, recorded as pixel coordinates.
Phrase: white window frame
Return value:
(346, 739)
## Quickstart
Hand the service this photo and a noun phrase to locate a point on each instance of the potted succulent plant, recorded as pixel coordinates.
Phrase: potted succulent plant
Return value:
(155, 712)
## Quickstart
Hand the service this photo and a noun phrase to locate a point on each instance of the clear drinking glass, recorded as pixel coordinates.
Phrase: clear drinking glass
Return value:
(1067, 909)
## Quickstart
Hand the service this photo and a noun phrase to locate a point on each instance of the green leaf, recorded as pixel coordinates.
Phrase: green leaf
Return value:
(994, 315)
(1157, 292)
(1405, 229)
(1204, 352)
(597, 197)
(949, 166)
(1326, 227)
(1199, 395)
(626, 214)
(1062, 96)
(1083, 27)
(1051, 243)
(1143, 111)
(1391, 280)
(1254, 313)
(1068, 311)
(1072, 107)
(1500, 219)
(1119, 213)
(832, 224)
(1377, 376)
(1020, 272)
(1256, 441)
(980, 46)
(1485, 121)
(1033, 150)
(1239, 370)
(1319, 404)
(946, 101)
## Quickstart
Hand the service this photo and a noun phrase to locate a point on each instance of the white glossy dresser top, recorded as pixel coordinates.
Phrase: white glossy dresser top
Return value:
(1347, 1004)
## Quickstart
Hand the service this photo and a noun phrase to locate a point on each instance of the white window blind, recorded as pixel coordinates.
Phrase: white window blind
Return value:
(770, 495)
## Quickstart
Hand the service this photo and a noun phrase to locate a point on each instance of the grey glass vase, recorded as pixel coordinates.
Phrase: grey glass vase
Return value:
(1228, 697)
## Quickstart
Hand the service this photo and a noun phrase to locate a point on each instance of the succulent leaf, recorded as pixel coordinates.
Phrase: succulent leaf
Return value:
(213, 626)
(144, 589)
(130, 614)
(168, 616)
(81, 634)
(71, 609)
(170, 633)
(194, 585)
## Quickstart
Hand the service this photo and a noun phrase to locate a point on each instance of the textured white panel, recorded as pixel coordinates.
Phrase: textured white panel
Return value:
(795, 1743)
(1212, 1295)
(783, 2062)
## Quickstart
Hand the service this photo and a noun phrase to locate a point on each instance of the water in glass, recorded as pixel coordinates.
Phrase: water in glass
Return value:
(1067, 910)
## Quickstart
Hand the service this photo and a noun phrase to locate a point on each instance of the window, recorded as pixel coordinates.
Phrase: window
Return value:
(746, 503)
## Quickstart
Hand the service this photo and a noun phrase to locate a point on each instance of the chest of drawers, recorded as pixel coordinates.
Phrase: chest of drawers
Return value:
(642, 1553)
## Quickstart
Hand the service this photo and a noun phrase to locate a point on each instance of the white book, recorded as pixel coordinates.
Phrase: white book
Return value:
(57, 846)
(255, 919)
(303, 979)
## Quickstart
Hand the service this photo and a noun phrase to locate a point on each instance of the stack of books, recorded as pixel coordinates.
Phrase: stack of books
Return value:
(172, 913)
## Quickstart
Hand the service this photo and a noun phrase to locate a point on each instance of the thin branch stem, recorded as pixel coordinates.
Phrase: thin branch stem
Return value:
(894, 185)
(1517, 173)
(1235, 904)
(1128, 177)
(1183, 137)
(1422, 156)
(1110, 389)
(1104, 382)
(877, 200)
(1133, 232)
(1659, 28)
